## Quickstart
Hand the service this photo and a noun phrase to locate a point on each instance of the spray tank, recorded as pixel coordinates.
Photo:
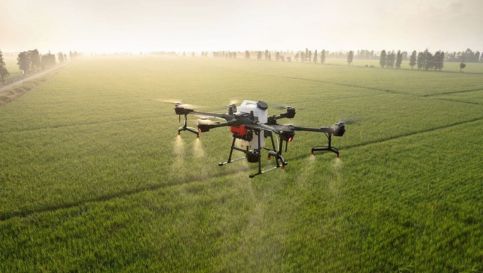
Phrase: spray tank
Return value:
(260, 111)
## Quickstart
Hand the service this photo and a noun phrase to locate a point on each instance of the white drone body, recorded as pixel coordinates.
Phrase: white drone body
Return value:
(260, 111)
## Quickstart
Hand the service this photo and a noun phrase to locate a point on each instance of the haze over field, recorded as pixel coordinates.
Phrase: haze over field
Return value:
(114, 26)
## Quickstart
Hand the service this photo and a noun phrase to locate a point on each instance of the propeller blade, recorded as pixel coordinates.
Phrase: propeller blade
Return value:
(188, 106)
(203, 117)
(234, 101)
(206, 117)
(281, 106)
(349, 121)
(208, 122)
(179, 103)
(172, 101)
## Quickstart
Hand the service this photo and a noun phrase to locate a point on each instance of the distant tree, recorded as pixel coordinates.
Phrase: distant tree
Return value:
(308, 55)
(60, 57)
(421, 60)
(350, 57)
(322, 56)
(399, 58)
(34, 59)
(48, 60)
(428, 60)
(259, 55)
(23, 61)
(462, 66)
(3, 69)
(315, 56)
(247, 54)
(390, 59)
(477, 56)
(438, 60)
(412, 59)
(468, 55)
(441, 61)
(382, 59)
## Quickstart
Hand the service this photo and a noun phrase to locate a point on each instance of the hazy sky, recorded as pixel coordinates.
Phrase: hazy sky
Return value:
(145, 25)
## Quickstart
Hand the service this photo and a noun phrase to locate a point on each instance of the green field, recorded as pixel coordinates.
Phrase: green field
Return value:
(93, 177)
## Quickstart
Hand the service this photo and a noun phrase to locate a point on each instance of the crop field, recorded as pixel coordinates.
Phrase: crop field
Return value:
(94, 178)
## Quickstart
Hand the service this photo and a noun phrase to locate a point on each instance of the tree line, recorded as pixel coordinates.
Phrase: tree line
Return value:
(363, 54)
(32, 61)
(467, 56)
(423, 60)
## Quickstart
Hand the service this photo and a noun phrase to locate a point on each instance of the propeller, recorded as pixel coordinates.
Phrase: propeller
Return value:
(234, 101)
(349, 121)
(208, 122)
(281, 106)
(179, 103)
(172, 101)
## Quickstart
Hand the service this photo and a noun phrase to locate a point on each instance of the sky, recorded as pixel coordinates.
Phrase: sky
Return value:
(195, 25)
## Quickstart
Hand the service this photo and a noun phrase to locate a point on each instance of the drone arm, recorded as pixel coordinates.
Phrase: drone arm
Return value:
(337, 129)
(263, 127)
(319, 130)
(290, 113)
(202, 127)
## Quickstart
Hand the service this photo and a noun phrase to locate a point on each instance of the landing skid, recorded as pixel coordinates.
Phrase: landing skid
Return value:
(279, 159)
(186, 128)
(327, 148)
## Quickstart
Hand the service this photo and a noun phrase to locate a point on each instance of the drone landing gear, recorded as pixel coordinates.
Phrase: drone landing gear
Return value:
(327, 148)
(255, 155)
(279, 159)
(231, 153)
(186, 128)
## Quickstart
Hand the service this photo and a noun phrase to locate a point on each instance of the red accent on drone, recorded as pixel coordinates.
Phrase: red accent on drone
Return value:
(239, 131)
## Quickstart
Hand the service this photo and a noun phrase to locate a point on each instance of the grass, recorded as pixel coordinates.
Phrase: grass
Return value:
(94, 179)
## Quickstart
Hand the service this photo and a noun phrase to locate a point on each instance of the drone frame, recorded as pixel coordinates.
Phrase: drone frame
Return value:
(285, 134)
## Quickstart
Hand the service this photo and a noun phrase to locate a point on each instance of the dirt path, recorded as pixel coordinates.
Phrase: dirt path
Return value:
(15, 89)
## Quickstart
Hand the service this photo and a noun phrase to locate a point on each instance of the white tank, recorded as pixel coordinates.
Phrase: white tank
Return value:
(260, 110)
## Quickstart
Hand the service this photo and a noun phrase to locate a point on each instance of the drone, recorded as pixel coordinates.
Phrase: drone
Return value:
(250, 125)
